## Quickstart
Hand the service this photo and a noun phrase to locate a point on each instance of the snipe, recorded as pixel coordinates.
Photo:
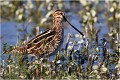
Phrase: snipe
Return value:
(49, 41)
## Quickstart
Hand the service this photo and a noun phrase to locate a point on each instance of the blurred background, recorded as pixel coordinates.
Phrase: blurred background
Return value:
(97, 19)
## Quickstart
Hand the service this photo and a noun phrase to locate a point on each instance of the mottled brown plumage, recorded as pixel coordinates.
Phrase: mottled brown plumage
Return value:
(49, 41)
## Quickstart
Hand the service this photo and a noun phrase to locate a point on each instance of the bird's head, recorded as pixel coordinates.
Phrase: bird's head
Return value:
(58, 15)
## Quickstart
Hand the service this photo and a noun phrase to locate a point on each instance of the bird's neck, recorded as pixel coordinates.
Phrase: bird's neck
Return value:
(57, 25)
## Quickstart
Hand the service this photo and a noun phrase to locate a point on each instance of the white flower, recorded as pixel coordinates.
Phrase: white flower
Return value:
(85, 18)
(103, 69)
(88, 14)
(117, 15)
(70, 47)
(93, 12)
(77, 35)
(6, 3)
(20, 16)
(97, 49)
(95, 19)
(95, 67)
(30, 4)
(58, 61)
(111, 9)
(81, 41)
(83, 2)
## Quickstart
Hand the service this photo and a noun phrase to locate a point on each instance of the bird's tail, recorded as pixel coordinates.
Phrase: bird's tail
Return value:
(21, 49)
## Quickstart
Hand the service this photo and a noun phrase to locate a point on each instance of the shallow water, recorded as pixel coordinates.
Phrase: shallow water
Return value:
(9, 30)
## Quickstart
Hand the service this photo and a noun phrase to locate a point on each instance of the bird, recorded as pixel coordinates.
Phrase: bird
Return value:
(48, 42)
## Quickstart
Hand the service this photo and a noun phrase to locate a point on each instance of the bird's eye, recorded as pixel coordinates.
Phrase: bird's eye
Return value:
(61, 13)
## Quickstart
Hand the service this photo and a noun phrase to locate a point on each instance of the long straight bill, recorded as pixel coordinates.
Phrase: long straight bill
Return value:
(73, 26)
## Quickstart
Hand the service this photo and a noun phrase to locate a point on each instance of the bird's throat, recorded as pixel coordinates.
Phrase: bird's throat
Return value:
(57, 25)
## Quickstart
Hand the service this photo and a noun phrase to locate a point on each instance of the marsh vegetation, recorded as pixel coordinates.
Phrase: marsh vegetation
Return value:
(94, 56)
